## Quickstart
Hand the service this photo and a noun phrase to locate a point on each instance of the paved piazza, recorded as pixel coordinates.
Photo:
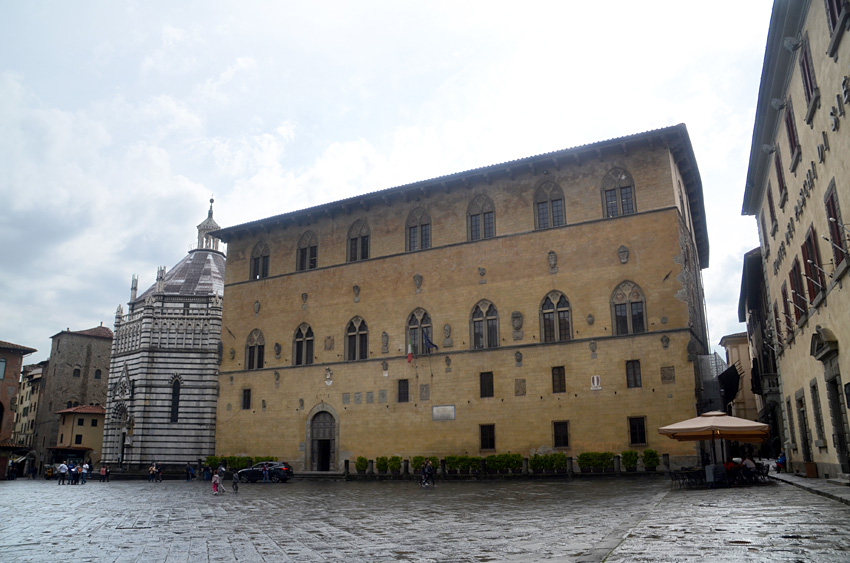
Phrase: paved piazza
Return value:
(524, 520)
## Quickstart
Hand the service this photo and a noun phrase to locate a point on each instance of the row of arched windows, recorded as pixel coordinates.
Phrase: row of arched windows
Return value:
(618, 199)
(628, 313)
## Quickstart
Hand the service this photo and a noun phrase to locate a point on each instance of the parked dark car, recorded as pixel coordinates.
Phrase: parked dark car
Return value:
(279, 472)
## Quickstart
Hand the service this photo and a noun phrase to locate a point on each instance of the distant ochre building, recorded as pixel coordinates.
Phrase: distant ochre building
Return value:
(162, 389)
(797, 187)
(563, 293)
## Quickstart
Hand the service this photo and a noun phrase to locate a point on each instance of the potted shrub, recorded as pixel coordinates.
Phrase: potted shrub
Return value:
(453, 463)
(605, 462)
(537, 463)
(629, 458)
(650, 459)
(416, 463)
(394, 464)
(381, 464)
(587, 461)
(360, 464)
(495, 463)
(558, 462)
(513, 462)
(473, 464)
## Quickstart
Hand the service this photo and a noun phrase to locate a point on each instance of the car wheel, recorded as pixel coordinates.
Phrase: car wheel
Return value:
(243, 479)
(275, 478)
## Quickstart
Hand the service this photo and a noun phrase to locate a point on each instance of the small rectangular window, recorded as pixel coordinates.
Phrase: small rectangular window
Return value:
(561, 432)
(488, 436)
(474, 227)
(80, 422)
(637, 430)
(633, 373)
(621, 318)
(314, 257)
(486, 383)
(352, 250)
(413, 238)
(637, 318)
(426, 236)
(97, 374)
(489, 225)
(94, 423)
(77, 372)
(559, 380)
(557, 212)
(543, 215)
(78, 439)
(403, 391)
(611, 203)
(364, 247)
(246, 399)
(627, 200)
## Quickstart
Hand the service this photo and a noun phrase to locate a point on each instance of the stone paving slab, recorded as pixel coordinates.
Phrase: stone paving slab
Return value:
(564, 520)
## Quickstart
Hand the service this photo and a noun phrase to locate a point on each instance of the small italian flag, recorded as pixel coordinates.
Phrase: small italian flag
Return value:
(409, 351)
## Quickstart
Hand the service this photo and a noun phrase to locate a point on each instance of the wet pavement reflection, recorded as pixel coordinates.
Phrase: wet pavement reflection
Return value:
(523, 520)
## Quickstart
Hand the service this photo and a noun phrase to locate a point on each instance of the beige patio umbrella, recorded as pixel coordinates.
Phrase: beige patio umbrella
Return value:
(716, 424)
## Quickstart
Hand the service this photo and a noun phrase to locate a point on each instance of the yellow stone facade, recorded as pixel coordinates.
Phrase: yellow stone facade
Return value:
(316, 416)
(797, 180)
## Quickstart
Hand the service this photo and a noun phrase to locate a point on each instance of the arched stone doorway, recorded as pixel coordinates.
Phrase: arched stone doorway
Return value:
(322, 439)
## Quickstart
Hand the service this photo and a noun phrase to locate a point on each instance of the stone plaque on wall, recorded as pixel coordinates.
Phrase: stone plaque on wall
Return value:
(425, 392)
(443, 412)
(668, 374)
(382, 396)
(370, 396)
(346, 398)
(519, 387)
(357, 397)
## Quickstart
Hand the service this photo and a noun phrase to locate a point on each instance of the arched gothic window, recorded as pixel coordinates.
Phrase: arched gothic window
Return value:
(419, 332)
(618, 193)
(254, 349)
(418, 230)
(357, 340)
(628, 309)
(485, 326)
(480, 218)
(555, 325)
(549, 206)
(358, 241)
(175, 400)
(260, 261)
(303, 354)
(308, 252)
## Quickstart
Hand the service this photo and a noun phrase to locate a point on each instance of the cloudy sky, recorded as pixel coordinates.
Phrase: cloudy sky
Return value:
(119, 120)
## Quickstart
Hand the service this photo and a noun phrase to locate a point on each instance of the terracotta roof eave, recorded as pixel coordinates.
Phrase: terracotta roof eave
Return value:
(26, 350)
(663, 136)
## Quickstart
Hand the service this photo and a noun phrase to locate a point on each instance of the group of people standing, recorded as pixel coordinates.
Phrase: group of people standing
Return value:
(78, 473)
(218, 481)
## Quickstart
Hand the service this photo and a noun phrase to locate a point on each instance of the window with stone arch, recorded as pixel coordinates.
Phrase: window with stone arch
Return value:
(484, 325)
(480, 219)
(358, 241)
(356, 340)
(302, 354)
(418, 232)
(549, 206)
(555, 320)
(618, 193)
(308, 252)
(628, 309)
(254, 350)
(419, 331)
(260, 261)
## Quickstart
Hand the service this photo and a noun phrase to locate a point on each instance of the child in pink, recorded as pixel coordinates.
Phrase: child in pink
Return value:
(215, 481)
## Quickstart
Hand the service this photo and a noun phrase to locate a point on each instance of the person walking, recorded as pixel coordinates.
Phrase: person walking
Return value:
(222, 473)
(102, 473)
(107, 473)
(63, 471)
(188, 472)
(85, 473)
(235, 484)
(152, 473)
(215, 481)
(265, 473)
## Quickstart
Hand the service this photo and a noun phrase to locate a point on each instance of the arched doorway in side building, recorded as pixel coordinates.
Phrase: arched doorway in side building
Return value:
(322, 438)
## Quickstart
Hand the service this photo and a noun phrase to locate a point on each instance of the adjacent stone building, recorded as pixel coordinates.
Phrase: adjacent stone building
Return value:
(80, 435)
(797, 187)
(550, 303)
(11, 362)
(162, 389)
